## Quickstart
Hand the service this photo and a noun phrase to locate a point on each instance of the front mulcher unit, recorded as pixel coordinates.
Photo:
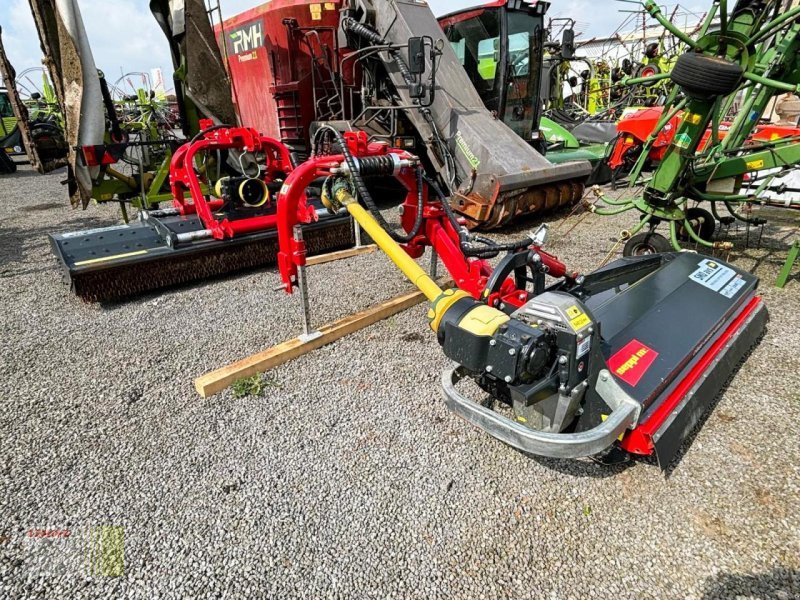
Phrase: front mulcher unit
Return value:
(632, 355)
(628, 357)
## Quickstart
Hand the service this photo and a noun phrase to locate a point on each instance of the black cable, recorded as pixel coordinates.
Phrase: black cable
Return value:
(466, 240)
(363, 192)
(205, 131)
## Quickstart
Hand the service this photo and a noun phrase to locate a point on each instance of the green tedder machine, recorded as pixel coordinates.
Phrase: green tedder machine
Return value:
(734, 67)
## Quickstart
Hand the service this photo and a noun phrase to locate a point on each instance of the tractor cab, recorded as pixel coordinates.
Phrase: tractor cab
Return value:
(8, 122)
(500, 46)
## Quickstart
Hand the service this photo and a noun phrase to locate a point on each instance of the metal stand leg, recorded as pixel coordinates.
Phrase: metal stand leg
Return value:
(357, 232)
(434, 264)
(302, 286)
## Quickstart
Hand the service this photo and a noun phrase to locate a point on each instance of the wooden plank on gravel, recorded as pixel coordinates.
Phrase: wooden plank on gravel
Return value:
(323, 258)
(216, 381)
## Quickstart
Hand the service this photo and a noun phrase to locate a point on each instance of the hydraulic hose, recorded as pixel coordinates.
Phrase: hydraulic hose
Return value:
(369, 34)
(208, 130)
(372, 36)
(116, 130)
(466, 240)
(363, 192)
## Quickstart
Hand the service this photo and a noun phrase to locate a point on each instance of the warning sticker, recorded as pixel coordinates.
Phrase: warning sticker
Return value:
(577, 318)
(579, 322)
(712, 275)
(754, 165)
(631, 362)
(682, 140)
(692, 118)
(729, 291)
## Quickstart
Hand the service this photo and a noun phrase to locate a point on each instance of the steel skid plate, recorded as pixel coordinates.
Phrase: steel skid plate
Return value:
(113, 263)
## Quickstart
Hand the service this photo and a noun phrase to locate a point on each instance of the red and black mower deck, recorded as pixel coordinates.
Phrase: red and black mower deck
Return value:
(674, 329)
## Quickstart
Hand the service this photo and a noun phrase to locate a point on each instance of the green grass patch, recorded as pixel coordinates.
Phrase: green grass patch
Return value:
(256, 385)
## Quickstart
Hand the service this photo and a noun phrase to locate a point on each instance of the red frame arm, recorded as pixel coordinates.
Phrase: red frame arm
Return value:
(183, 179)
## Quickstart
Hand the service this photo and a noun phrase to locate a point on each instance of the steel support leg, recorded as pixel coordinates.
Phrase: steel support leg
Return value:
(302, 285)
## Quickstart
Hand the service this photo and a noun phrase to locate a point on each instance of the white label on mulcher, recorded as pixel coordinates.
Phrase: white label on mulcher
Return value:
(712, 275)
(729, 291)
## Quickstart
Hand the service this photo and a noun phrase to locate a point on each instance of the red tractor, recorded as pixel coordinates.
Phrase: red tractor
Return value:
(637, 124)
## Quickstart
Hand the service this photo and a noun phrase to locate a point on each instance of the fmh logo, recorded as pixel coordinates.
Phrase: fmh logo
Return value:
(246, 38)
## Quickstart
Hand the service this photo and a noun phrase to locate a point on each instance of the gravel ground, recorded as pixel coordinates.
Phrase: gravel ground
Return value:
(349, 477)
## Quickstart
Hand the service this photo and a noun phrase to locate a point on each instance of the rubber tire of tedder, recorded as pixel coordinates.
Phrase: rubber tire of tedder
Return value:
(703, 224)
(648, 71)
(646, 243)
(702, 76)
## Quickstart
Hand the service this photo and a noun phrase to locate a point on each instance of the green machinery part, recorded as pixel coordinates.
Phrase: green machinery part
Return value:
(752, 57)
(564, 147)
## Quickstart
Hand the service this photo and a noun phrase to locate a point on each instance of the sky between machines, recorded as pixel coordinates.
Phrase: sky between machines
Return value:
(125, 37)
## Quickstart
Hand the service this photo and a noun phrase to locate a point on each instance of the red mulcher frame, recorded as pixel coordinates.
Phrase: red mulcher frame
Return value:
(469, 274)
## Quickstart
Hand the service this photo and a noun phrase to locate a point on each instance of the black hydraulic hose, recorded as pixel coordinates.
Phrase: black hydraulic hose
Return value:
(511, 246)
(108, 102)
(462, 233)
(418, 218)
(466, 240)
(369, 34)
(372, 36)
(205, 131)
(363, 192)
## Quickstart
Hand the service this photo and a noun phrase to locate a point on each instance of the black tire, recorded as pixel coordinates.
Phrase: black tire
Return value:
(646, 243)
(7, 165)
(703, 224)
(703, 76)
(648, 71)
(49, 141)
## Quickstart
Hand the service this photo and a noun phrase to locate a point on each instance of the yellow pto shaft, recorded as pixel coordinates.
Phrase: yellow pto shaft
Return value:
(398, 256)
(480, 319)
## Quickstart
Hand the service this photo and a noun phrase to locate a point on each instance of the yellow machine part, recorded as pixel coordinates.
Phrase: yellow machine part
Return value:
(483, 320)
(398, 256)
(480, 320)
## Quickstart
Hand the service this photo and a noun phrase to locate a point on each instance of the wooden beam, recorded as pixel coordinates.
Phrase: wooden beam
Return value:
(323, 258)
(216, 381)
